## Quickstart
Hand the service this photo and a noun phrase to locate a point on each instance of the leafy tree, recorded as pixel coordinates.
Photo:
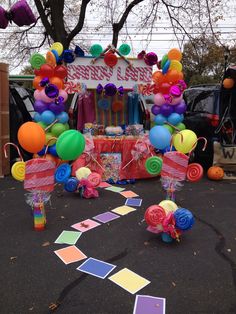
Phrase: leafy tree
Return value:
(204, 61)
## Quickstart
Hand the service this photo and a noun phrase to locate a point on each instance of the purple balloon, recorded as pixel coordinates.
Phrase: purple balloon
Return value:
(156, 109)
(166, 110)
(40, 106)
(180, 108)
(51, 91)
(56, 108)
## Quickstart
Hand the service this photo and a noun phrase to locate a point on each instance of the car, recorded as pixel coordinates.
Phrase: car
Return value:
(202, 117)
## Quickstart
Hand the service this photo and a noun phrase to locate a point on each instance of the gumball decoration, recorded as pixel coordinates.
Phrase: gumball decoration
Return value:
(228, 83)
(31, 137)
(124, 49)
(103, 104)
(110, 59)
(96, 50)
(150, 58)
(65, 150)
(215, 173)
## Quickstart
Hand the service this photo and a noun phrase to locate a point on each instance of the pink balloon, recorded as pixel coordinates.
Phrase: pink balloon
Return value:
(63, 94)
(159, 99)
(37, 94)
(176, 100)
(44, 97)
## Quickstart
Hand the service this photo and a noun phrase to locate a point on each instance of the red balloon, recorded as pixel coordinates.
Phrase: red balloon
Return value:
(46, 70)
(60, 71)
(110, 59)
(164, 88)
(154, 215)
(36, 72)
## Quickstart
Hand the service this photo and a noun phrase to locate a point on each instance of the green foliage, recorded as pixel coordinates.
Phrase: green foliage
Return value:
(204, 61)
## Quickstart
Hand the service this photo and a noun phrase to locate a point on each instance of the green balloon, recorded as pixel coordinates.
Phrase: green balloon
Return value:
(168, 127)
(43, 125)
(70, 145)
(67, 126)
(96, 50)
(163, 60)
(49, 135)
(124, 49)
(57, 129)
(180, 126)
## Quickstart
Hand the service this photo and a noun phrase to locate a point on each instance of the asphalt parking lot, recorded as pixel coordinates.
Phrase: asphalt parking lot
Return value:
(197, 275)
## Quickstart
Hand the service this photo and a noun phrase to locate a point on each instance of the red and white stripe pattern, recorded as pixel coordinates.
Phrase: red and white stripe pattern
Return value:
(39, 175)
(175, 165)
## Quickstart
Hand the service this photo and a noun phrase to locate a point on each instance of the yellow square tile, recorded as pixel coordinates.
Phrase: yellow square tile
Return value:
(123, 210)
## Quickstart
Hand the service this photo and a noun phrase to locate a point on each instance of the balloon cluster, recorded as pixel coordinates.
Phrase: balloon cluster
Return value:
(50, 96)
(169, 220)
(84, 181)
(169, 106)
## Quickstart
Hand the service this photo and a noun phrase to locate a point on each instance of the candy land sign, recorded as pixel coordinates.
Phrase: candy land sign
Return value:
(84, 70)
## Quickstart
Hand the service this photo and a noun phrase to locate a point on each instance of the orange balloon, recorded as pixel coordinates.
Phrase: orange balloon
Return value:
(173, 76)
(36, 82)
(174, 54)
(31, 137)
(51, 59)
(57, 81)
(157, 77)
(228, 83)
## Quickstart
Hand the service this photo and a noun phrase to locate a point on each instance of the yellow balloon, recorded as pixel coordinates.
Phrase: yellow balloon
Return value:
(185, 141)
(18, 170)
(82, 173)
(58, 47)
(169, 206)
(176, 65)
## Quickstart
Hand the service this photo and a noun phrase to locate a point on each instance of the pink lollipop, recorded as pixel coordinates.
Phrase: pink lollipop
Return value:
(95, 179)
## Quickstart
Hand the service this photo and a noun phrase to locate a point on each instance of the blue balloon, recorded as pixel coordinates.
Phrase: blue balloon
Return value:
(63, 173)
(184, 219)
(62, 117)
(160, 137)
(42, 151)
(159, 119)
(52, 150)
(166, 67)
(167, 149)
(37, 117)
(47, 117)
(175, 118)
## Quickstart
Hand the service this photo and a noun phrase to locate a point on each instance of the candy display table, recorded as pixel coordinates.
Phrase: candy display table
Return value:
(120, 153)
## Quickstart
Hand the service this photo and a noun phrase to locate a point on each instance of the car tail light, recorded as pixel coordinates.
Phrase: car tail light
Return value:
(214, 119)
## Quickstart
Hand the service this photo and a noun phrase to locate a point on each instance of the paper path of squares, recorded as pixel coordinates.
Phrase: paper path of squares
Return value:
(123, 210)
(70, 254)
(149, 305)
(97, 268)
(68, 237)
(129, 280)
(85, 225)
(106, 217)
